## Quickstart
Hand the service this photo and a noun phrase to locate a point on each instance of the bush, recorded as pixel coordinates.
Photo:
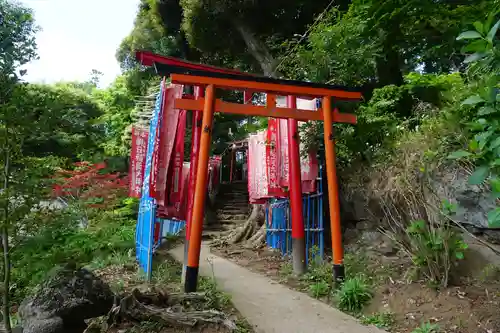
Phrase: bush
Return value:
(353, 294)
(435, 249)
(60, 239)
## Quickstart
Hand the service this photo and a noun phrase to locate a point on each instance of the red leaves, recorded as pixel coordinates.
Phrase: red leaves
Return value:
(88, 182)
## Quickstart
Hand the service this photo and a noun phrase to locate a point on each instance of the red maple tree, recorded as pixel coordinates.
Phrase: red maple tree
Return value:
(88, 182)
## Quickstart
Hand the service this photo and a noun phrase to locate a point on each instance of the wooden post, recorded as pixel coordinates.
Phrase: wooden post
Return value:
(333, 192)
(295, 189)
(191, 280)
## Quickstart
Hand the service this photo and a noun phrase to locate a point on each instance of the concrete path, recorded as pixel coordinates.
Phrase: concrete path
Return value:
(271, 307)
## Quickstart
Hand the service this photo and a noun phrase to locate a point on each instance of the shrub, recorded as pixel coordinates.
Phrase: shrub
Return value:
(435, 249)
(61, 239)
(353, 294)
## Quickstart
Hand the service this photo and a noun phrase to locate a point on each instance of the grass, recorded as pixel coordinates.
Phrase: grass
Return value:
(383, 320)
(353, 294)
(426, 328)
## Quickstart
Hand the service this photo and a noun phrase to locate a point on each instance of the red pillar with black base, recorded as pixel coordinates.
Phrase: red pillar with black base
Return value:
(295, 189)
(195, 149)
(196, 229)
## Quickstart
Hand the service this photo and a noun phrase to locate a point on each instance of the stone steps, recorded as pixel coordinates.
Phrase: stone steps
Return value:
(232, 216)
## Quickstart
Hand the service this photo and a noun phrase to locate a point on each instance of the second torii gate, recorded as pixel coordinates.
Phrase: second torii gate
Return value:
(205, 76)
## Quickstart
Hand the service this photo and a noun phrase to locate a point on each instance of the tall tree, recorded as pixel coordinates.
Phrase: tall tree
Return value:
(17, 47)
(239, 29)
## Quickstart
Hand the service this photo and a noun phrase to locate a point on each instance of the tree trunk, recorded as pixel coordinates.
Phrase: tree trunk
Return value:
(257, 49)
(5, 244)
(389, 63)
(6, 280)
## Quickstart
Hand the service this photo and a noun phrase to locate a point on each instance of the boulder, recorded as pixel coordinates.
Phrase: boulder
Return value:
(64, 300)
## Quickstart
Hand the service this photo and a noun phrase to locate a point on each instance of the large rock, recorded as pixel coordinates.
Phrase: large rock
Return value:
(67, 297)
(474, 201)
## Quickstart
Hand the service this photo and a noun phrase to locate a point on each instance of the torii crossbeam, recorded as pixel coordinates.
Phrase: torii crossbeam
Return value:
(212, 78)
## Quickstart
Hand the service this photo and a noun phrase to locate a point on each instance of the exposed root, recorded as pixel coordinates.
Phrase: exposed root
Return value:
(252, 232)
(168, 309)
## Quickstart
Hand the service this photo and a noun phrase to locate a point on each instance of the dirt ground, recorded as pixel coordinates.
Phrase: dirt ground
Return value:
(166, 277)
(469, 305)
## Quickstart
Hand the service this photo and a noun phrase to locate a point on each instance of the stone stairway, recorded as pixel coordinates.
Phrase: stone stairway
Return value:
(231, 209)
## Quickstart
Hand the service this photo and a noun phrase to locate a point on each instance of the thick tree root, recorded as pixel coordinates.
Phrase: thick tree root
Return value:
(252, 233)
(168, 309)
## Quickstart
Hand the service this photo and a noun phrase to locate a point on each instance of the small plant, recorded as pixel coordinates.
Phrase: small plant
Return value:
(426, 328)
(355, 264)
(353, 294)
(286, 270)
(435, 248)
(214, 299)
(242, 326)
(383, 320)
(490, 272)
(319, 289)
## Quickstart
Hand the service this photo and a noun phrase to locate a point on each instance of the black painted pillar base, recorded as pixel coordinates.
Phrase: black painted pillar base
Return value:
(338, 274)
(191, 282)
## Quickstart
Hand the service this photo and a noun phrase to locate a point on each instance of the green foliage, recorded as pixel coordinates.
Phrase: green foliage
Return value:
(383, 320)
(59, 239)
(117, 102)
(17, 33)
(435, 249)
(319, 289)
(64, 118)
(214, 298)
(426, 328)
(353, 294)
(482, 107)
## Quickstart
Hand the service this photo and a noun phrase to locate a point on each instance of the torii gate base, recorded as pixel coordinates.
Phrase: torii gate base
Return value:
(204, 76)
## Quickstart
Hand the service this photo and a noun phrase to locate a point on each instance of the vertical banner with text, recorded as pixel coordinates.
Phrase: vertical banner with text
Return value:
(137, 160)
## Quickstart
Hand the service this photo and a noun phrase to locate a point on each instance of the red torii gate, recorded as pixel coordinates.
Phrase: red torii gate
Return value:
(187, 73)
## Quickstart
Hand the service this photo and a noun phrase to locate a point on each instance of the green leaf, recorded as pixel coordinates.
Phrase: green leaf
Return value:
(479, 27)
(471, 34)
(485, 110)
(459, 255)
(493, 32)
(495, 184)
(479, 175)
(483, 139)
(473, 100)
(475, 57)
(494, 218)
(476, 46)
(458, 154)
(473, 145)
(495, 143)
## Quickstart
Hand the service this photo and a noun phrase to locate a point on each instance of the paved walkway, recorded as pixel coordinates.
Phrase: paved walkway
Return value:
(271, 307)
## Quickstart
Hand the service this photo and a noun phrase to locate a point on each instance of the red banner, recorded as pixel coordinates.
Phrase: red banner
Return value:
(257, 174)
(180, 213)
(214, 165)
(175, 172)
(168, 128)
(283, 168)
(272, 159)
(137, 161)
